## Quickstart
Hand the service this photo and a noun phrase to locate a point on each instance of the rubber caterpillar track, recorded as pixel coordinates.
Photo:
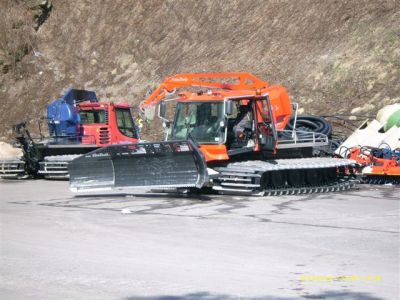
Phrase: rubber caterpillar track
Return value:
(12, 169)
(286, 176)
(380, 179)
(52, 167)
(56, 166)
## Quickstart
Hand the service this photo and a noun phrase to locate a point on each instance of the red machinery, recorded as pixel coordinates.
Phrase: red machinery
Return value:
(203, 147)
(78, 123)
(106, 123)
(377, 166)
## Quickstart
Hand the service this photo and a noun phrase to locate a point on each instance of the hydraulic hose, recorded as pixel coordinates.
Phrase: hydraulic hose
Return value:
(308, 123)
(311, 124)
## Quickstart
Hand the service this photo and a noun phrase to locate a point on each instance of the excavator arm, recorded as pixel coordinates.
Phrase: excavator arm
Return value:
(238, 81)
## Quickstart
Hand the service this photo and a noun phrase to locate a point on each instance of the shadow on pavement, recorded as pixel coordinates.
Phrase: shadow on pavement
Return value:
(148, 195)
(328, 295)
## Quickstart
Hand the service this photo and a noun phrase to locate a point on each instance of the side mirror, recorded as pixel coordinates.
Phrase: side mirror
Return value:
(228, 107)
(162, 110)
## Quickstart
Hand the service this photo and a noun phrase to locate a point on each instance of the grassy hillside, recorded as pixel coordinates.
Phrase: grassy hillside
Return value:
(335, 57)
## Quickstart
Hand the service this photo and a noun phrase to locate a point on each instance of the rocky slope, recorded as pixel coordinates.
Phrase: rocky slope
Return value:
(335, 57)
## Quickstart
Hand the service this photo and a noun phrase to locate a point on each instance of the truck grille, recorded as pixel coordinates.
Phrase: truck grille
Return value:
(104, 136)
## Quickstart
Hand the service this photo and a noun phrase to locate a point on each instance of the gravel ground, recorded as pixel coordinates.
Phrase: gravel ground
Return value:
(151, 246)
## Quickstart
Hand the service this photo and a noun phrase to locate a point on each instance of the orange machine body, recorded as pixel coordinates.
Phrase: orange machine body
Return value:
(243, 87)
(377, 166)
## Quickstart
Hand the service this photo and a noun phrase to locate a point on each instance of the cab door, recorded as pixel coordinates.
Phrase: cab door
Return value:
(266, 125)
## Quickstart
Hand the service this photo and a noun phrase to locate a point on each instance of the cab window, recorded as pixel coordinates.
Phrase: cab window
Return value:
(92, 116)
(125, 123)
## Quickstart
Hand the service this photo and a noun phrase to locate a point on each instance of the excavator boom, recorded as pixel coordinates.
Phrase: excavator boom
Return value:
(237, 81)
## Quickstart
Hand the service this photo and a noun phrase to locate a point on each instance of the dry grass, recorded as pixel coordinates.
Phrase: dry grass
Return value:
(333, 56)
(17, 36)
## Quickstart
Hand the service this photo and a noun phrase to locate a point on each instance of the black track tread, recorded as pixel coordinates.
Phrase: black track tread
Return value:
(334, 187)
(341, 183)
(380, 180)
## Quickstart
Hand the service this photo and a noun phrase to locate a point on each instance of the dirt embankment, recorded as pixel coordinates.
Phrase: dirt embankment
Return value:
(7, 151)
(335, 57)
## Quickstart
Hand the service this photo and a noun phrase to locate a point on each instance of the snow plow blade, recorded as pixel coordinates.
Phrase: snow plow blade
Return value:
(172, 164)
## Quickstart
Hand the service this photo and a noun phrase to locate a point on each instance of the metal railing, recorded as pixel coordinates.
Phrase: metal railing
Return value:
(298, 138)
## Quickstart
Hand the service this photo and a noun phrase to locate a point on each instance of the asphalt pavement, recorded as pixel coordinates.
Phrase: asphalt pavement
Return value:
(54, 245)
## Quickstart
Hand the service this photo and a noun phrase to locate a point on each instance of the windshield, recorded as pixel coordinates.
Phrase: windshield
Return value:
(125, 123)
(93, 116)
(200, 121)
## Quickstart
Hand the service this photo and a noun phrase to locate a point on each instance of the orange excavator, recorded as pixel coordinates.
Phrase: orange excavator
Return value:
(227, 134)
